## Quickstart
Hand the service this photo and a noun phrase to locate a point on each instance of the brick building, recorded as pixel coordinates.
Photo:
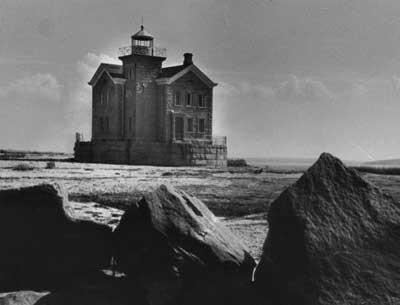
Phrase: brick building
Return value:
(143, 113)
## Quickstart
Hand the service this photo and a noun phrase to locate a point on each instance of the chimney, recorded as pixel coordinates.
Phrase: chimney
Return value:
(187, 59)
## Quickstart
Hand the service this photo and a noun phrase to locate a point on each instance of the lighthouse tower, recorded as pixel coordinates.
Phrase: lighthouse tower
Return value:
(142, 63)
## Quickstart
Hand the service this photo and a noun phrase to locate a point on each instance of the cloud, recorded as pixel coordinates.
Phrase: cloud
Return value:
(396, 82)
(294, 89)
(303, 90)
(88, 65)
(80, 93)
(79, 97)
(32, 88)
(360, 90)
(32, 110)
(245, 90)
(46, 112)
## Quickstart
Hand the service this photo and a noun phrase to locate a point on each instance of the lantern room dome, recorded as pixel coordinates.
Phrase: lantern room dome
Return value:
(142, 35)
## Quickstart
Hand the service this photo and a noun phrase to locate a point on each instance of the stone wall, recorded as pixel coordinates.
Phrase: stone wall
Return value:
(151, 153)
(83, 151)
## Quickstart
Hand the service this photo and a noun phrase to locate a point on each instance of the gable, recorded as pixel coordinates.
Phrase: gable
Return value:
(181, 72)
(190, 81)
(103, 81)
(114, 72)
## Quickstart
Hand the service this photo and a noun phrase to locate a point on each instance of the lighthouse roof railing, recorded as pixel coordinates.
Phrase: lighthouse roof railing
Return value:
(142, 50)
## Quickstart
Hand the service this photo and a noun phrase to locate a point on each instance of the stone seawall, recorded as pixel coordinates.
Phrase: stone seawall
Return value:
(151, 153)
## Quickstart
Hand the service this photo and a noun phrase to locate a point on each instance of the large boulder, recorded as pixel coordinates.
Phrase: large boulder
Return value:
(43, 243)
(333, 238)
(180, 252)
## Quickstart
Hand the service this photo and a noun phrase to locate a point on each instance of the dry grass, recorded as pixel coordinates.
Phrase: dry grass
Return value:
(23, 167)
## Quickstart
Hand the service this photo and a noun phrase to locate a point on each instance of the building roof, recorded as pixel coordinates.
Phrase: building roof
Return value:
(142, 34)
(113, 71)
(171, 71)
(170, 74)
(112, 68)
(167, 76)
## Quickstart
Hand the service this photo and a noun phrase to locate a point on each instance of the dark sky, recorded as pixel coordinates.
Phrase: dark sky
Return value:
(296, 77)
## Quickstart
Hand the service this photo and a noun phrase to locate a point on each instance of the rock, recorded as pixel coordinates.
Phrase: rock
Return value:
(258, 171)
(101, 291)
(333, 238)
(180, 252)
(21, 297)
(43, 243)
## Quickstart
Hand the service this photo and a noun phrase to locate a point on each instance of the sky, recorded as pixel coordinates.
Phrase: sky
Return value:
(295, 77)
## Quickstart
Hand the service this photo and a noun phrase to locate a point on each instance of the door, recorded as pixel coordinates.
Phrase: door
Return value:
(179, 128)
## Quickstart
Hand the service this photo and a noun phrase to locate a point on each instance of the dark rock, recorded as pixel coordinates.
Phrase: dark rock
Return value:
(180, 252)
(167, 174)
(43, 242)
(333, 238)
(258, 171)
(100, 291)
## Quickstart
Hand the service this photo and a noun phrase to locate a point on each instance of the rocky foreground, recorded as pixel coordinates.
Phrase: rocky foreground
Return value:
(334, 239)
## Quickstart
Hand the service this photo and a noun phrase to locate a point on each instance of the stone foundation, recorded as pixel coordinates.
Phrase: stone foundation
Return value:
(151, 153)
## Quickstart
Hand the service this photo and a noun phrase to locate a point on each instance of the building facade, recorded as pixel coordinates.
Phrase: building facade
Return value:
(143, 113)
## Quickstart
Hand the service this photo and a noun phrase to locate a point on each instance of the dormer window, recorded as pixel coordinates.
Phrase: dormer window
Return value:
(177, 98)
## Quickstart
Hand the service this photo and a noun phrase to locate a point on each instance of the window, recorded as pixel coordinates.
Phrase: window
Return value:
(101, 124)
(202, 125)
(104, 96)
(109, 96)
(177, 98)
(107, 127)
(132, 73)
(188, 99)
(190, 125)
(201, 101)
